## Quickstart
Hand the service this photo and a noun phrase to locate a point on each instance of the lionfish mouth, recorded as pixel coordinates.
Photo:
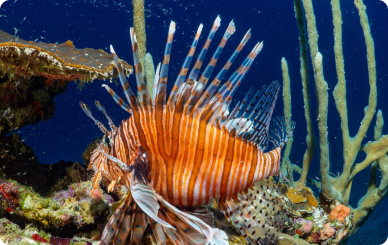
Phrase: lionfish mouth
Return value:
(189, 149)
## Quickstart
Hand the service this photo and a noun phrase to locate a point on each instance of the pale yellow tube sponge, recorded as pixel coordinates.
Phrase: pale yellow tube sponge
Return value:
(338, 189)
(139, 26)
(149, 70)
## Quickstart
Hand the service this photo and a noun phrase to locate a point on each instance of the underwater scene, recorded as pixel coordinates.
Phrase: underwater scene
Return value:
(193, 122)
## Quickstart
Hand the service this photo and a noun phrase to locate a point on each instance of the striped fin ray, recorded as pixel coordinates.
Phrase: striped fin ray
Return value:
(264, 114)
(230, 87)
(198, 64)
(200, 85)
(126, 225)
(281, 131)
(102, 109)
(219, 102)
(141, 86)
(258, 113)
(194, 230)
(206, 96)
(240, 73)
(118, 100)
(123, 80)
(156, 81)
(239, 121)
(88, 112)
(159, 232)
(138, 227)
(124, 228)
(227, 91)
(173, 121)
(184, 233)
(183, 72)
(190, 82)
(113, 225)
(146, 198)
(117, 161)
(161, 91)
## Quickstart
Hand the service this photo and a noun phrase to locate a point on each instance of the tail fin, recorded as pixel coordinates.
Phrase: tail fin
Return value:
(281, 131)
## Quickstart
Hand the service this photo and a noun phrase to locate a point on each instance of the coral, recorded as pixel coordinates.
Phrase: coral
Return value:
(61, 196)
(65, 217)
(9, 195)
(340, 212)
(32, 74)
(73, 205)
(336, 189)
(55, 61)
(38, 238)
(327, 232)
(304, 226)
(301, 201)
(96, 195)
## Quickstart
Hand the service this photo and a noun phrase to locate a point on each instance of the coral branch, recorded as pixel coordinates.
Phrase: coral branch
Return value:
(322, 98)
(375, 193)
(337, 190)
(286, 163)
(310, 138)
(351, 145)
(149, 69)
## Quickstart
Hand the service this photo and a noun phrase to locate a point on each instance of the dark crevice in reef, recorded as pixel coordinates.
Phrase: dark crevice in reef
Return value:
(20, 164)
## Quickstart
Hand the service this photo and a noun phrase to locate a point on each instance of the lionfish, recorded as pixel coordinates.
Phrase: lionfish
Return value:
(175, 155)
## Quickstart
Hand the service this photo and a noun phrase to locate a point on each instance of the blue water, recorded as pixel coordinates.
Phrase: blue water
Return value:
(99, 23)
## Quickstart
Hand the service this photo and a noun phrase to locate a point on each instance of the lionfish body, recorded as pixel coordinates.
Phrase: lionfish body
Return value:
(195, 149)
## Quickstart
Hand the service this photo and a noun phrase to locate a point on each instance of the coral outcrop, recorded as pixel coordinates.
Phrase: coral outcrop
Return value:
(32, 74)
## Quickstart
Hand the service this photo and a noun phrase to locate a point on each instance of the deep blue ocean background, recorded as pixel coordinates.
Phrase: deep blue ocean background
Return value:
(99, 23)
